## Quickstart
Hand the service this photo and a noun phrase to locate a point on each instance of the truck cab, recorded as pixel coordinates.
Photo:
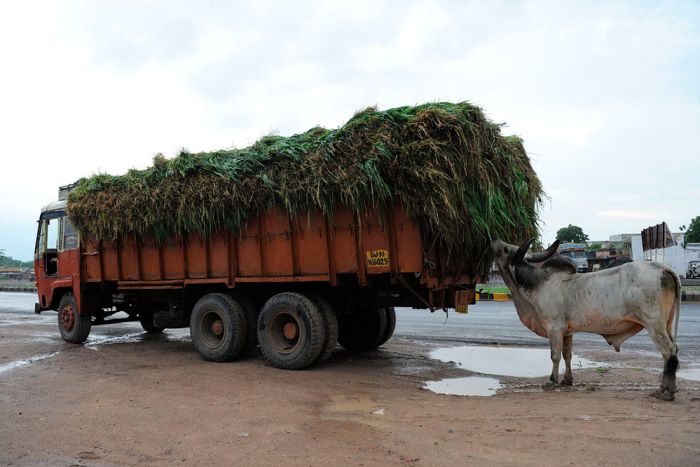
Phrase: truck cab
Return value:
(56, 256)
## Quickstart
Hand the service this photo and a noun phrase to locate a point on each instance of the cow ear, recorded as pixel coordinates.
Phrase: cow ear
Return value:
(520, 254)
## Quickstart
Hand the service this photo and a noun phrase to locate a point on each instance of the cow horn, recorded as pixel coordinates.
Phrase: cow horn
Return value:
(544, 255)
(520, 254)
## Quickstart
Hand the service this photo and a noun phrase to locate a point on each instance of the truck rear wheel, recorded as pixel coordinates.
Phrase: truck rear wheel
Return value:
(390, 323)
(251, 316)
(218, 327)
(330, 324)
(363, 330)
(291, 331)
(73, 326)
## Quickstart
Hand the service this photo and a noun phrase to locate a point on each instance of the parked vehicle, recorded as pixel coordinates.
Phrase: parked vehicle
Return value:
(693, 271)
(295, 286)
(577, 253)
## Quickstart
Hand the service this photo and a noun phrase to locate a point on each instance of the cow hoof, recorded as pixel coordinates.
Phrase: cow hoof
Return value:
(663, 395)
(549, 386)
(567, 382)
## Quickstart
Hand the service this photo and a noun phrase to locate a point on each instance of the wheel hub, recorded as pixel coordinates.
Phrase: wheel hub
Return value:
(66, 318)
(290, 331)
(217, 328)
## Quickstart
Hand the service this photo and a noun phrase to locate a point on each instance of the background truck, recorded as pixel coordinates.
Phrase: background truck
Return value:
(577, 253)
(295, 286)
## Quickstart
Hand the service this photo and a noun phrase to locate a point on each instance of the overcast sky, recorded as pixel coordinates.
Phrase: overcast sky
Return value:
(605, 94)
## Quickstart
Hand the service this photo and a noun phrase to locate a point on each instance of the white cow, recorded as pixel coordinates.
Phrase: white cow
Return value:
(555, 302)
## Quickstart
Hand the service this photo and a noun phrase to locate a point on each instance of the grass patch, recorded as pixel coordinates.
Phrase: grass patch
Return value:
(492, 289)
(461, 180)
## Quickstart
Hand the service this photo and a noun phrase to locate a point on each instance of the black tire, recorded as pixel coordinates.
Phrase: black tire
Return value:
(146, 320)
(251, 315)
(390, 323)
(363, 330)
(291, 331)
(73, 326)
(218, 328)
(330, 324)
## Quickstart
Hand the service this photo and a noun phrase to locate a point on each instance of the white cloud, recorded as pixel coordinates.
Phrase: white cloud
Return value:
(642, 215)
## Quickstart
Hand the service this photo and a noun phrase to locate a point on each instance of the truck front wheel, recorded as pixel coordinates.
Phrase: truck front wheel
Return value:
(218, 328)
(291, 331)
(73, 326)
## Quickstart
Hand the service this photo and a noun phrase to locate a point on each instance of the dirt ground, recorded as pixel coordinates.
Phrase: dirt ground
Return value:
(151, 400)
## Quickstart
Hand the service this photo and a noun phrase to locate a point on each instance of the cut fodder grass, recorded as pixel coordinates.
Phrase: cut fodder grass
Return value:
(461, 180)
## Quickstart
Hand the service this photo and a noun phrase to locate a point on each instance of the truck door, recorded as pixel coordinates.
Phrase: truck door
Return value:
(47, 247)
(54, 236)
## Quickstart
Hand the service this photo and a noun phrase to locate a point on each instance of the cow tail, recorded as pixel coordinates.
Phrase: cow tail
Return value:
(678, 304)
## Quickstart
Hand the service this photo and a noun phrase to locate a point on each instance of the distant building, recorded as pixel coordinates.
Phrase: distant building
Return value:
(16, 273)
(677, 257)
(606, 252)
(633, 242)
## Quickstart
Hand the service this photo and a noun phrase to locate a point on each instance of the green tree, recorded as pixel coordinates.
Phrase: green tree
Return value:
(4, 259)
(537, 244)
(571, 233)
(10, 261)
(692, 235)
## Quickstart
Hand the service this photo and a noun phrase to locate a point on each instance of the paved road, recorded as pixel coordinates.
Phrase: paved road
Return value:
(487, 322)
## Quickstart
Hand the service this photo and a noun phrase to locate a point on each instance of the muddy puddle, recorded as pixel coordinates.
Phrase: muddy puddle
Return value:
(506, 361)
(468, 386)
(692, 374)
(94, 342)
(4, 368)
(359, 409)
(498, 361)
(175, 335)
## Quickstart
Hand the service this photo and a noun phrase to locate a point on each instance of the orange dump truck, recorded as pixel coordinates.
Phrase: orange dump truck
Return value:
(294, 287)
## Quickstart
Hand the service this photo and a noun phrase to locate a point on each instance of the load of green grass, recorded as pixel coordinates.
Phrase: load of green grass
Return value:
(461, 180)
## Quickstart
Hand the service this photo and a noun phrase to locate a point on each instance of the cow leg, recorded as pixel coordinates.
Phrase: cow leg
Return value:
(568, 351)
(668, 350)
(556, 343)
